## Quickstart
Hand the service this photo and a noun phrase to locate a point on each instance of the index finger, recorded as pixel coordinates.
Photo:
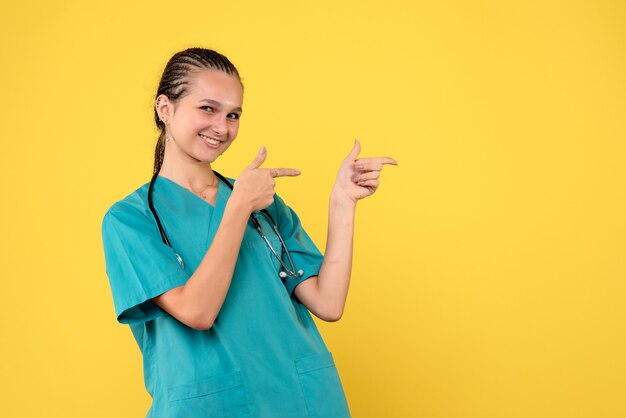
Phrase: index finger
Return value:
(284, 172)
(376, 160)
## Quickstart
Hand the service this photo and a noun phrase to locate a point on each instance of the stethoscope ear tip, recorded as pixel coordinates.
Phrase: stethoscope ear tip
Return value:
(283, 274)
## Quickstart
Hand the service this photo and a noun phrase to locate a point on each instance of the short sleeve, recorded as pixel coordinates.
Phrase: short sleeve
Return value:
(139, 265)
(305, 255)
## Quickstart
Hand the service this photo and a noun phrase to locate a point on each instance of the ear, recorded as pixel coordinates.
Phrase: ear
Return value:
(163, 108)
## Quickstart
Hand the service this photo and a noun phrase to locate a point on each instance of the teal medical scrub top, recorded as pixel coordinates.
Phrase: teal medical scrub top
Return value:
(263, 356)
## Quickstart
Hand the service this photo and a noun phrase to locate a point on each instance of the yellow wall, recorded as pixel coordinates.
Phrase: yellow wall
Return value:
(490, 272)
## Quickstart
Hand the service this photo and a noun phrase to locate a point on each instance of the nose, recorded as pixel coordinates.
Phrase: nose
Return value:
(219, 126)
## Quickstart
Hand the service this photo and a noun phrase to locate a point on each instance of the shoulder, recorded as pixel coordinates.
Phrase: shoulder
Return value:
(230, 180)
(280, 210)
(132, 206)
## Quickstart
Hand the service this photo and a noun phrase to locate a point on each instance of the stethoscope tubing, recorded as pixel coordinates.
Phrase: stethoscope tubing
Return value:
(287, 272)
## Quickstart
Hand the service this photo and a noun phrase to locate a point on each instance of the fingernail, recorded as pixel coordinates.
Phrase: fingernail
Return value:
(298, 172)
(262, 150)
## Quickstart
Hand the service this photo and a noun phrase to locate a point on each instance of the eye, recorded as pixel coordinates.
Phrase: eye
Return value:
(234, 116)
(207, 108)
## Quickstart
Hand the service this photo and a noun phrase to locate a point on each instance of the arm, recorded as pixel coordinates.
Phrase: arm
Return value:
(325, 295)
(200, 299)
(197, 302)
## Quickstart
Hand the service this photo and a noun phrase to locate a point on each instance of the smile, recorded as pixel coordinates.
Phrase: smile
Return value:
(209, 141)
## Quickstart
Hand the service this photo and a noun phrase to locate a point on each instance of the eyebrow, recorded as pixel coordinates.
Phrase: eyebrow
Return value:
(218, 104)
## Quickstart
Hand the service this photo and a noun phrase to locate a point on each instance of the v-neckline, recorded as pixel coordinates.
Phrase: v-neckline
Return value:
(189, 192)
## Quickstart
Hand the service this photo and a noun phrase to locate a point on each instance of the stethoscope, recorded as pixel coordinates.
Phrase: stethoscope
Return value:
(286, 271)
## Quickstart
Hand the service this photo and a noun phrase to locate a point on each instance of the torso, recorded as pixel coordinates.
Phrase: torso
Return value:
(264, 355)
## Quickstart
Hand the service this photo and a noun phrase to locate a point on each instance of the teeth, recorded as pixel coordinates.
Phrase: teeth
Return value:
(209, 140)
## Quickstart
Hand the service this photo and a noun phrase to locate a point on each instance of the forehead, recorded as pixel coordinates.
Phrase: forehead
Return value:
(215, 85)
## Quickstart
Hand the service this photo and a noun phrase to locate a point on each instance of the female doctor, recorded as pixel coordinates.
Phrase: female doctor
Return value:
(216, 277)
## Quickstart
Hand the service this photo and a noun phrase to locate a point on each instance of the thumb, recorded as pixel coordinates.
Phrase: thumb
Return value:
(259, 158)
(356, 149)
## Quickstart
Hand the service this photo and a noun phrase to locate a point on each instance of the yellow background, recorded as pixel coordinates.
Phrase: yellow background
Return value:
(490, 273)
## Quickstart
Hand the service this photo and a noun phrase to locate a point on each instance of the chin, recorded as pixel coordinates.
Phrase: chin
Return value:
(208, 156)
(208, 160)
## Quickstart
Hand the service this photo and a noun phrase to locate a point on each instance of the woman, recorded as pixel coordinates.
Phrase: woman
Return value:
(218, 305)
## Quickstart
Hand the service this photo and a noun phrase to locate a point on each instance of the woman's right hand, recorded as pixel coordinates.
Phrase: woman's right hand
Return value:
(255, 186)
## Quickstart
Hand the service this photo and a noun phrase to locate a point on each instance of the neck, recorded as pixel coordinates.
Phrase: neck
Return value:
(193, 175)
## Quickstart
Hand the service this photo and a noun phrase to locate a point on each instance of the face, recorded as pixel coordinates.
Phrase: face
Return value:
(204, 123)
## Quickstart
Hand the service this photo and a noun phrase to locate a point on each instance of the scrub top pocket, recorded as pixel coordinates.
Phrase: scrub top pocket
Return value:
(321, 387)
(218, 397)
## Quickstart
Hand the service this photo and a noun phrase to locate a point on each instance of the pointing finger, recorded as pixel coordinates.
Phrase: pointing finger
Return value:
(376, 160)
(259, 158)
(368, 166)
(284, 172)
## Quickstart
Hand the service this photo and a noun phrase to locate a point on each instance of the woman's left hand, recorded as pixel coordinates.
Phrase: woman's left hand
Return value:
(358, 178)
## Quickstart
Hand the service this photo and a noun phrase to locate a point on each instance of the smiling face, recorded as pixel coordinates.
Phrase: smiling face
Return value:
(204, 122)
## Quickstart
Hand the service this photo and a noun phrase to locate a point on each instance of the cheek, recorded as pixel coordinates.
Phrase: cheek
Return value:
(185, 125)
(234, 129)
(196, 120)
(190, 116)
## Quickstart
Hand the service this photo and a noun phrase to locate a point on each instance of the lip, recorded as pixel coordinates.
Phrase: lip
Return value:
(204, 139)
